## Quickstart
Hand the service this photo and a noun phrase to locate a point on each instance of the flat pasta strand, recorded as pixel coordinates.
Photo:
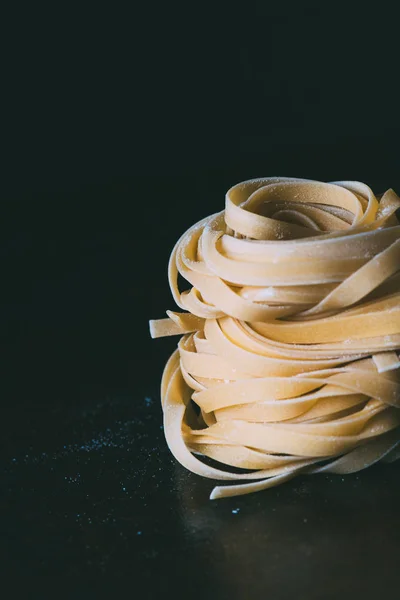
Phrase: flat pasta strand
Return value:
(289, 361)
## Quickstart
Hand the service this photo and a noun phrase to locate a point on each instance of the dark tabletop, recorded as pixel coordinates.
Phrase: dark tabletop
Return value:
(120, 131)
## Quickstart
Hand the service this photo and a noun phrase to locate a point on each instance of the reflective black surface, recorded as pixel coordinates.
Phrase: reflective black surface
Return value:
(92, 490)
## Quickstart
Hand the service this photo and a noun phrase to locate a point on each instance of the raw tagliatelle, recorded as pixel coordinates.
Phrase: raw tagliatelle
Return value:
(288, 362)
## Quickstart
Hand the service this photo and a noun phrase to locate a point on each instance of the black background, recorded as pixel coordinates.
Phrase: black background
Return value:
(121, 127)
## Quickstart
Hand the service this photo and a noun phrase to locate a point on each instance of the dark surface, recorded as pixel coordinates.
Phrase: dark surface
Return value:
(121, 129)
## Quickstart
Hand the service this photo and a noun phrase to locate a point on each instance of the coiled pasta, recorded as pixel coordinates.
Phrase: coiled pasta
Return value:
(288, 359)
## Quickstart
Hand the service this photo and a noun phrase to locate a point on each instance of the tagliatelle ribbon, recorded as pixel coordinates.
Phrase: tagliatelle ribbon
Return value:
(288, 362)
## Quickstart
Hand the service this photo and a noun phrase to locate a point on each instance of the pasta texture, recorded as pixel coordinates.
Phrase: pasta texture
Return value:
(288, 361)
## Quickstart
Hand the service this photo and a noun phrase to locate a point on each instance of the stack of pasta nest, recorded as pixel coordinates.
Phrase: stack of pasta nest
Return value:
(288, 359)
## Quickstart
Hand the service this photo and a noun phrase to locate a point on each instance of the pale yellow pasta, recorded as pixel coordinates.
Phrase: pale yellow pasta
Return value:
(288, 362)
